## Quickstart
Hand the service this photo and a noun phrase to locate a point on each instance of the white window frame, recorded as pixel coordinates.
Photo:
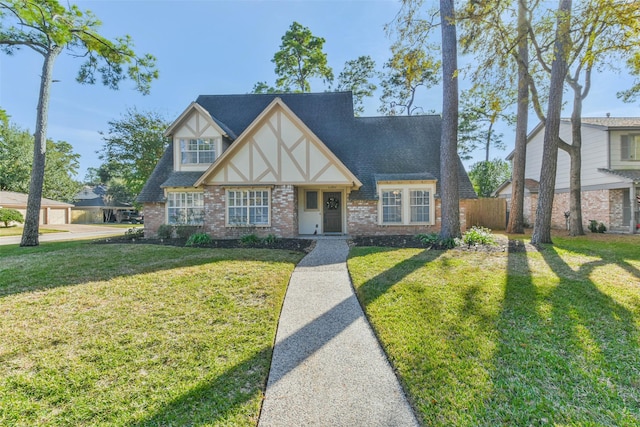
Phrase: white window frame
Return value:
(407, 204)
(186, 148)
(306, 201)
(412, 204)
(247, 195)
(397, 195)
(188, 203)
(633, 141)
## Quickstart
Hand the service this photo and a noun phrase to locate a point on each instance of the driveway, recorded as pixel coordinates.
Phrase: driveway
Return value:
(70, 232)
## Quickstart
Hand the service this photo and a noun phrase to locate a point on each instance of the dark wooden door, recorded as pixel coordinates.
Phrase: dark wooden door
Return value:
(332, 212)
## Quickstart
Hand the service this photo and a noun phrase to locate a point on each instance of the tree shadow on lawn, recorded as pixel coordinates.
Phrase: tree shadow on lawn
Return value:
(54, 264)
(567, 354)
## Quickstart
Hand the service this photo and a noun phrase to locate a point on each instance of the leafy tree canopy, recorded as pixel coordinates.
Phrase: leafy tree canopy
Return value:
(10, 215)
(132, 147)
(356, 77)
(486, 176)
(299, 59)
(16, 158)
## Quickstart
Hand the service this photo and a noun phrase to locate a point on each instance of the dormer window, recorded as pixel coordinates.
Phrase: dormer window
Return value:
(197, 151)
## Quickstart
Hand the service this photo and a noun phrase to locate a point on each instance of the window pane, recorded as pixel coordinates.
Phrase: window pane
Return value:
(312, 200)
(185, 208)
(248, 207)
(419, 206)
(392, 206)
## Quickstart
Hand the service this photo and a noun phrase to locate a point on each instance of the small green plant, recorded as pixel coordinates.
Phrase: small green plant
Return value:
(270, 239)
(186, 231)
(478, 236)
(249, 239)
(199, 239)
(594, 227)
(429, 239)
(134, 233)
(165, 231)
(10, 215)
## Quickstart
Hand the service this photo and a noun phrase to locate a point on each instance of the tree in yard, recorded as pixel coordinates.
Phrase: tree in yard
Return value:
(486, 176)
(562, 47)
(16, 154)
(356, 77)
(49, 28)
(299, 59)
(132, 147)
(408, 70)
(449, 194)
(10, 215)
(481, 108)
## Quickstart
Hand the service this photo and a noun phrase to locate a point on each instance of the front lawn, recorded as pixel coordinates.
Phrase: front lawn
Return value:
(137, 334)
(17, 231)
(521, 338)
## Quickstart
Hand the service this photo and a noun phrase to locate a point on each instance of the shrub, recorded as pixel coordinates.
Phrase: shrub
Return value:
(199, 239)
(434, 240)
(478, 236)
(270, 239)
(249, 239)
(134, 233)
(165, 231)
(10, 215)
(186, 231)
(594, 227)
(429, 239)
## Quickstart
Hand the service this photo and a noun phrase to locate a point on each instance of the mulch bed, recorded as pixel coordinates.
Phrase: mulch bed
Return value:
(504, 244)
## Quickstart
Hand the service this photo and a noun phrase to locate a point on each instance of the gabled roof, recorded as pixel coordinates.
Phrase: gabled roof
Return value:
(13, 199)
(365, 145)
(218, 125)
(276, 103)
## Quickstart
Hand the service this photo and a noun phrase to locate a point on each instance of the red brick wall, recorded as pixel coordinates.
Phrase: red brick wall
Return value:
(362, 220)
(153, 218)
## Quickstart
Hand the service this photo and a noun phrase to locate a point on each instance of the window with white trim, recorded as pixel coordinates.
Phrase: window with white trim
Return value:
(248, 207)
(392, 206)
(406, 204)
(197, 150)
(419, 206)
(185, 208)
(630, 147)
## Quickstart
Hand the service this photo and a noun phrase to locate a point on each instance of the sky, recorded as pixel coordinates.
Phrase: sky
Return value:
(219, 47)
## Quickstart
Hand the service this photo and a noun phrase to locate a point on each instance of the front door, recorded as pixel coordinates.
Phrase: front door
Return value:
(332, 212)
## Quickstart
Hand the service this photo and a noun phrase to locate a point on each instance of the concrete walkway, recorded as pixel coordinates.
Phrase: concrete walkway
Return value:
(328, 368)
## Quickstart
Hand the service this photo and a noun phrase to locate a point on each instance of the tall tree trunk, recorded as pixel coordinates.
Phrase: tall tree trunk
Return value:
(516, 211)
(575, 153)
(34, 202)
(542, 226)
(449, 194)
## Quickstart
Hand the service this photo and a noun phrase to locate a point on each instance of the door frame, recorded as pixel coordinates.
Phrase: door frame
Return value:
(341, 209)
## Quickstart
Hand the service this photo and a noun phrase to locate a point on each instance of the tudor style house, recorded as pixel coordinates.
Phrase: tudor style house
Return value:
(297, 164)
(610, 174)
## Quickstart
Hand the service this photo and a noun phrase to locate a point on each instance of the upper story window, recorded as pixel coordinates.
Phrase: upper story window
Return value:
(630, 147)
(197, 151)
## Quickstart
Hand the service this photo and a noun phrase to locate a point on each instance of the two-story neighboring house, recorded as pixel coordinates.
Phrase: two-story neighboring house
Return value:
(610, 173)
(297, 164)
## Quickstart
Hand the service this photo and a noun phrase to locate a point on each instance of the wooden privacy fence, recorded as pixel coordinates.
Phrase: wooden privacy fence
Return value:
(489, 212)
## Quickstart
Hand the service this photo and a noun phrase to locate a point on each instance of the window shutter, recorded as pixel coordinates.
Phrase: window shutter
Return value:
(624, 147)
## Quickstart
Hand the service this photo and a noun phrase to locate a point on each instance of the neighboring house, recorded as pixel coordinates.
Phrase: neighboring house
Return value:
(94, 206)
(610, 173)
(51, 211)
(297, 164)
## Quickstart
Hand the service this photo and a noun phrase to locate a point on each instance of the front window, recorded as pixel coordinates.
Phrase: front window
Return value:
(248, 207)
(185, 208)
(197, 151)
(392, 206)
(630, 149)
(419, 206)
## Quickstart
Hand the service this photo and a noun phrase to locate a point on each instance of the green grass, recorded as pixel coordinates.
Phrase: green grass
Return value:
(486, 339)
(17, 231)
(137, 335)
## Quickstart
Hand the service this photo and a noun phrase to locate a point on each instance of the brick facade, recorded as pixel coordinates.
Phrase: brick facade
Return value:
(600, 205)
(362, 217)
